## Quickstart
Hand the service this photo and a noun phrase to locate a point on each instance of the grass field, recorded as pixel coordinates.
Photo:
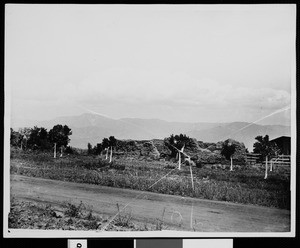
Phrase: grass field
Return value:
(243, 185)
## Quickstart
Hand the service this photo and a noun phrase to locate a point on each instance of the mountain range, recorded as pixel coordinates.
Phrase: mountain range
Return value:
(92, 128)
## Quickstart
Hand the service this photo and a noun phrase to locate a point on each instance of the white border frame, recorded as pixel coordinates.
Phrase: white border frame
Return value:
(29, 233)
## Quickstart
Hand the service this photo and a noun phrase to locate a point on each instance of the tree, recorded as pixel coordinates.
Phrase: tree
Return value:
(264, 147)
(105, 143)
(175, 142)
(108, 143)
(70, 150)
(112, 143)
(228, 149)
(38, 139)
(97, 149)
(59, 134)
(89, 148)
(15, 138)
(25, 133)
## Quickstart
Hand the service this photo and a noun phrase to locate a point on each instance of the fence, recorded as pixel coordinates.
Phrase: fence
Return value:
(252, 158)
(281, 160)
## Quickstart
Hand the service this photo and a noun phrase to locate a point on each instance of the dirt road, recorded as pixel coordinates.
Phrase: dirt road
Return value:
(183, 212)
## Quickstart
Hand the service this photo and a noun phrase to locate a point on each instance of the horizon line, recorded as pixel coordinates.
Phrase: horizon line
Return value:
(157, 119)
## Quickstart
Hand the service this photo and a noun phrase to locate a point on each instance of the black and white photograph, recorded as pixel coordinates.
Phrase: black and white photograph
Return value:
(164, 120)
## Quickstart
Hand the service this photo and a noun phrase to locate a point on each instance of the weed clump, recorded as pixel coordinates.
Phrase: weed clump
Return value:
(73, 210)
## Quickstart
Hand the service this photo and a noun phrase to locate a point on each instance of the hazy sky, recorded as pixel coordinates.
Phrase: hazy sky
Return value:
(178, 63)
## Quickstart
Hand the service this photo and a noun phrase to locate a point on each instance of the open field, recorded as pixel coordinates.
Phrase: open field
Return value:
(151, 210)
(244, 185)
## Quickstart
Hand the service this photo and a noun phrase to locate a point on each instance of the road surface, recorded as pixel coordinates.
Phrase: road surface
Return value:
(175, 211)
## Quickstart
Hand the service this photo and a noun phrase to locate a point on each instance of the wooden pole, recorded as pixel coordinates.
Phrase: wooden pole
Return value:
(61, 151)
(231, 165)
(179, 161)
(271, 166)
(192, 177)
(110, 157)
(191, 222)
(266, 172)
(54, 155)
(106, 153)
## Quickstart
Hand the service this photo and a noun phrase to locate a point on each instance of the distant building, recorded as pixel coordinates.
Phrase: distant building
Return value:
(284, 144)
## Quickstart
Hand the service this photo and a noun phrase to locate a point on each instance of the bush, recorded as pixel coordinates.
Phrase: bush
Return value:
(96, 164)
(73, 210)
(70, 150)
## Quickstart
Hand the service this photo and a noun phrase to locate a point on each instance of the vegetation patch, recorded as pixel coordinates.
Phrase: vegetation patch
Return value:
(69, 216)
(242, 185)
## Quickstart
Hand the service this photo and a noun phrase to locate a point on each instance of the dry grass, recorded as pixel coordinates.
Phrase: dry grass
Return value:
(243, 185)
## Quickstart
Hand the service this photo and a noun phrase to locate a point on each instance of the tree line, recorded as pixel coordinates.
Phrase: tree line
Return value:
(106, 144)
(262, 146)
(38, 138)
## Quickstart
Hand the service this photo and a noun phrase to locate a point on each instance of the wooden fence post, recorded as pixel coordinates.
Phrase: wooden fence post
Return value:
(110, 157)
(179, 161)
(106, 156)
(54, 155)
(266, 172)
(192, 177)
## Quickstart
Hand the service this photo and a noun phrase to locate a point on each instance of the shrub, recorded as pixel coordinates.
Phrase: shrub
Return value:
(73, 210)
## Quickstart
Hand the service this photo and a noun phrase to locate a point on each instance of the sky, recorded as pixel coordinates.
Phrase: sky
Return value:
(190, 63)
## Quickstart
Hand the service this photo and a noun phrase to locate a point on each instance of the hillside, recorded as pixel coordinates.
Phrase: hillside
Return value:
(93, 128)
(240, 131)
